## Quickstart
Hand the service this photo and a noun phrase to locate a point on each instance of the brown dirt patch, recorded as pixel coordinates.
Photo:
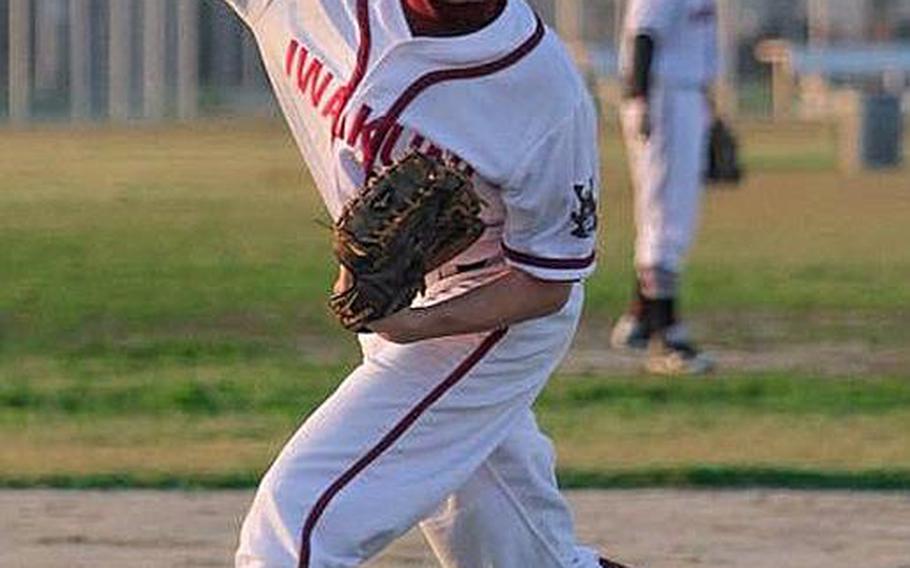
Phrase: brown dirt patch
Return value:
(658, 529)
(816, 344)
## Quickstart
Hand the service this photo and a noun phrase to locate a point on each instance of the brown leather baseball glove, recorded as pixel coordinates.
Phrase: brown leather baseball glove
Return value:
(409, 220)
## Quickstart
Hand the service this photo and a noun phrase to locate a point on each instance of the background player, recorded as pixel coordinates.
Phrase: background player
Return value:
(669, 60)
(436, 425)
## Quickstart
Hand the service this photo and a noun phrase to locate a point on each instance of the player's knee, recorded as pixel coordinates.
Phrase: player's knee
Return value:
(264, 535)
(273, 529)
(346, 532)
(273, 490)
(351, 531)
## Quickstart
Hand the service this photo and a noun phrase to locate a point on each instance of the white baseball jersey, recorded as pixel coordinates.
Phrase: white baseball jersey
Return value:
(686, 35)
(504, 104)
(440, 432)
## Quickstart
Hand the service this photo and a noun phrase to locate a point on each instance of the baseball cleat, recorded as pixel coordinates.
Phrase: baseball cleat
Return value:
(676, 358)
(629, 332)
(607, 563)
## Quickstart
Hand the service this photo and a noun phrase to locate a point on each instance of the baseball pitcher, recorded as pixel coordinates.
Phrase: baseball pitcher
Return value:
(669, 60)
(455, 148)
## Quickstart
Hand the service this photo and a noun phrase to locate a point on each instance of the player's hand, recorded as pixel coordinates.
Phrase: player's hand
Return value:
(397, 328)
(644, 117)
(345, 280)
(402, 327)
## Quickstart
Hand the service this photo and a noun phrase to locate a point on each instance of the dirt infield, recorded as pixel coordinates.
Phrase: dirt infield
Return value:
(763, 342)
(657, 529)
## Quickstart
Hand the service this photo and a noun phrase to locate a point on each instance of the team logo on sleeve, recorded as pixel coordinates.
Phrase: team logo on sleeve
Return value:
(585, 218)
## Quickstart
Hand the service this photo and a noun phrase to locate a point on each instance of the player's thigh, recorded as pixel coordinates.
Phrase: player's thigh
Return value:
(687, 164)
(377, 456)
(405, 430)
(650, 159)
(689, 123)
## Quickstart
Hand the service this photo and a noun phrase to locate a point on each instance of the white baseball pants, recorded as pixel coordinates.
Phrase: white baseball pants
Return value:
(667, 171)
(438, 433)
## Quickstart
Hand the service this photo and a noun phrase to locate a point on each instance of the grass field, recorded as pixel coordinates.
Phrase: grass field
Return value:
(162, 317)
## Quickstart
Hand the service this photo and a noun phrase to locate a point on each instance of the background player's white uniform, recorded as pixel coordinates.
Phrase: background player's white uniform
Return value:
(667, 168)
(439, 432)
(665, 123)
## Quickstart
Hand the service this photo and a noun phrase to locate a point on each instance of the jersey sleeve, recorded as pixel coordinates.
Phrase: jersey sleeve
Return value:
(550, 227)
(248, 10)
(655, 16)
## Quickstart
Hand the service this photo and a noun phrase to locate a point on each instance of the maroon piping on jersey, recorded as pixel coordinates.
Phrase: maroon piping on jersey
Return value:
(441, 76)
(363, 51)
(549, 263)
(389, 439)
(360, 68)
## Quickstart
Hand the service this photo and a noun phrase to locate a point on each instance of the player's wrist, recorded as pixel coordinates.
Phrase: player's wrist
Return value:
(639, 101)
(635, 95)
(406, 326)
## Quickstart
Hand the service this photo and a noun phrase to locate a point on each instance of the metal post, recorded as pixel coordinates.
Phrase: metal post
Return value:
(619, 14)
(778, 54)
(250, 66)
(20, 56)
(816, 95)
(819, 22)
(727, 98)
(80, 61)
(187, 59)
(119, 60)
(153, 62)
(47, 56)
(226, 47)
(570, 23)
(878, 24)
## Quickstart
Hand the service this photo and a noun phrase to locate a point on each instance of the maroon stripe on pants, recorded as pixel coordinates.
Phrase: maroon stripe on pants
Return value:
(389, 440)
